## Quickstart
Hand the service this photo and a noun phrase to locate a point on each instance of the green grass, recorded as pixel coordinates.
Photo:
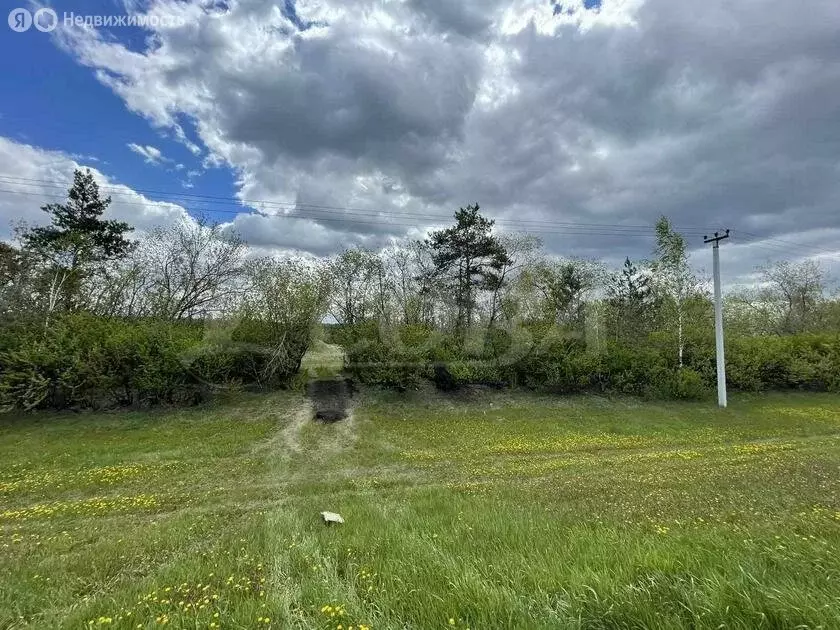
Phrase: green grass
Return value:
(323, 360)
(492, 511)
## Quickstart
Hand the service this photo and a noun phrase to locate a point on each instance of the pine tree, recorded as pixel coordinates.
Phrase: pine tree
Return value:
(76, 239)
(633, 303)
(468, 258)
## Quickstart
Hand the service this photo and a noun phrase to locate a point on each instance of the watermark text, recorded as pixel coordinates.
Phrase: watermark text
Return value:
(46, 19)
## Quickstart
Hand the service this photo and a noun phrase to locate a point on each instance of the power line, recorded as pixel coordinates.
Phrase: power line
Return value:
(370, 216)
(300, 207)
(571, 230)
(774, 248)
(783, 244)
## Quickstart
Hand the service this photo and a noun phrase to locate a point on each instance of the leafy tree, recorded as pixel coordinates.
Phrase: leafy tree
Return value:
(17, 281)
(191, 270)
(285, 300)
(468, 258)
(76, 239)
(381, 289)
(673, 279)
(561, 287)
(520, 249)
(354, 273)
(797, 291)
(123, 289)
(789, 299)
(410, 279)
(9, 263)
(403, 273)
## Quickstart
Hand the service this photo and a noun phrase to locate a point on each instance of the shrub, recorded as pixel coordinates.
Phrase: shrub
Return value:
(557, 362)
(479, 372)
(374, 362)
(348, 335)
(688, 385)
(795, 362)
(815, 363)
(546, 358)
(87, 361)
(635, 371)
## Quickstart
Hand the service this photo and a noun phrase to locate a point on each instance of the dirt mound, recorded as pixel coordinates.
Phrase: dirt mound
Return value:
(330, 398)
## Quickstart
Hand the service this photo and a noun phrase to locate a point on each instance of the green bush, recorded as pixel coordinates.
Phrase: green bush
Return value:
(374, 362)
(556, 362)
(815, 363)
(635, 371)
(479, 372)
(94, 362)
(688, 385)
(348, 335)
(804, 362)
(543, 357)
(418, 336)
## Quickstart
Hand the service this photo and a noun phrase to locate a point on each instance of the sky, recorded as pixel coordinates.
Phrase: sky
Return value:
(315, 126)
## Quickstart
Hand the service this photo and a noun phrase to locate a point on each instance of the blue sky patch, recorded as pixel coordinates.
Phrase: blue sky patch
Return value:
(289, 9)
(54, 103)
(562, 9)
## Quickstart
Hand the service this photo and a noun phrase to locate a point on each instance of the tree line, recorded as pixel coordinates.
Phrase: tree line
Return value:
(186, 309)
(91, 317)
(467, 305)
(466, 277)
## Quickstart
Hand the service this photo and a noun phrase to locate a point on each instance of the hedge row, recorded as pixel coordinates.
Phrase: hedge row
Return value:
(82, 361)
(549, 360)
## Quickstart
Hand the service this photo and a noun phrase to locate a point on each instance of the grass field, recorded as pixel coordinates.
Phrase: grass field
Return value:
(494, 511)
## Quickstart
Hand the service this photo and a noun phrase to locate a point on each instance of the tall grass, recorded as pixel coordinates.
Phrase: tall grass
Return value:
(490, 511)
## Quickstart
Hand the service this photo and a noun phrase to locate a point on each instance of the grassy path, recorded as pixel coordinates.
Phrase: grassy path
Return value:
(523, 512)
(504, 511)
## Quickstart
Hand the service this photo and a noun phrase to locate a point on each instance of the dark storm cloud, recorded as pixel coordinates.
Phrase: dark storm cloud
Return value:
(470, 19)
(709, 121)
(323, 236)
(340, 97)
(716, 114)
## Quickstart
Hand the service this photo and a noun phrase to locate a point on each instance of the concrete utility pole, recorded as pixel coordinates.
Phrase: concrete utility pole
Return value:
(721, 360)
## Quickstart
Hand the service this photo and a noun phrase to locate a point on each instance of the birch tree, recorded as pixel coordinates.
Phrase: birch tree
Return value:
(673, 279)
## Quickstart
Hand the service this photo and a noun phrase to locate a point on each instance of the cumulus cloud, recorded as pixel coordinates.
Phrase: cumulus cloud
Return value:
(607, 113)
(150, 154)
(31, 177)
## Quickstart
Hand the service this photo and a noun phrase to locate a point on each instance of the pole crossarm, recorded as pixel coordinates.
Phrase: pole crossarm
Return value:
(717, 238)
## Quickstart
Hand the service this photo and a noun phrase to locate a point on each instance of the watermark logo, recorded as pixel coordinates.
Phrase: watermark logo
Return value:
(21, 20)
(46, 20)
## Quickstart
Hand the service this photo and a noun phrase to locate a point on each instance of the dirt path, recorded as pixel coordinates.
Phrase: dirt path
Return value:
(324, 440)
(323, 360)
(290, 434)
